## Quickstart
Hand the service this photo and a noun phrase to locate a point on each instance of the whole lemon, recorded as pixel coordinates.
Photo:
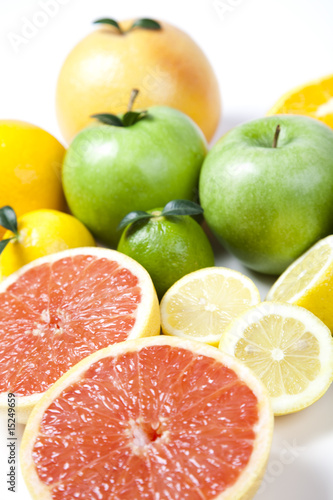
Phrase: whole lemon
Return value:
(165, 65)
(40, 233)
(30, 168)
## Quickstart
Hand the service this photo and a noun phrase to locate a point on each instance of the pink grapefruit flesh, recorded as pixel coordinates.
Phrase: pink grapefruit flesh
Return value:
(58, 312)
(154, 421)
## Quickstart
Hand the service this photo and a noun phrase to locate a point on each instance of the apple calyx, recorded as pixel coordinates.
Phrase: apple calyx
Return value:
(276, 136)
(147, 24)
(173, 208)
(128, 119)
(8, 220)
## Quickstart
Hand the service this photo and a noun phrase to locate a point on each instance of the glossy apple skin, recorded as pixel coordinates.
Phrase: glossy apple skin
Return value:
(268, 205)
(110, 171)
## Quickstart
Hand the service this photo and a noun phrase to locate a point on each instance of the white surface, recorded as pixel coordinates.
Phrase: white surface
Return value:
(259, 49)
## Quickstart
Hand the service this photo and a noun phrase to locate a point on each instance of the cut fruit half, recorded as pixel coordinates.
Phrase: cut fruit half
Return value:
(289, 349)
(63, 307)
(201, 305)
(308, 282)
(314, 99)
(156, 418)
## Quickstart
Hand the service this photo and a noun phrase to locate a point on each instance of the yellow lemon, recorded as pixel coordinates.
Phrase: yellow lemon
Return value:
(30, 168)
(308, 282)
(288, 348)
(201, 305)
(40, 233)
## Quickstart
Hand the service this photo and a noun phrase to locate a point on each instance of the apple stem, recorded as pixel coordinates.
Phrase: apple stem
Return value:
(276, 136)
(134, 95)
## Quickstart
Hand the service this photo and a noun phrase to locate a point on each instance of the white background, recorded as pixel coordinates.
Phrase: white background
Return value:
(259, 49)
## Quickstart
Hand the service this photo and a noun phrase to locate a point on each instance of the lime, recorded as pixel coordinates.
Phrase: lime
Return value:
(167, 246)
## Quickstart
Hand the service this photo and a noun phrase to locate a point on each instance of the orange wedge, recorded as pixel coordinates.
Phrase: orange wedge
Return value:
(314, 99)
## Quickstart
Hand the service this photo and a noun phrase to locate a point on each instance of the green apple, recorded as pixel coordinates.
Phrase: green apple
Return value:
(137, 163)
(267, 191)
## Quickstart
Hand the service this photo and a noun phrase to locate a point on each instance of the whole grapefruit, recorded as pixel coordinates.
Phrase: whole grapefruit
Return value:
(165, 64)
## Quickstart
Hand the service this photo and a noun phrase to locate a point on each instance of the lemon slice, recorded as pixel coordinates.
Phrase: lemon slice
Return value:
(313, 99)
(201, 305)
(308, 282)
(288, 348)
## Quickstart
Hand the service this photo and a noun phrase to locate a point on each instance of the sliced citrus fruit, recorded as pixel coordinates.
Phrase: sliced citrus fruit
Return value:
(156, 418)
(308, 282)
(313, 99)
(289, 348)
(61, 308)
(201, 305)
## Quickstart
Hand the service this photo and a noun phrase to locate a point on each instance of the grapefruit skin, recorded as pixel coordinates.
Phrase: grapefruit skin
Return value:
(110, 171)
(167, 66)
(165, 416)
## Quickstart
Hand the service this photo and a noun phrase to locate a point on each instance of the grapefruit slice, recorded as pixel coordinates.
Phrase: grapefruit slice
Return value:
(160, 418)
(63, 307)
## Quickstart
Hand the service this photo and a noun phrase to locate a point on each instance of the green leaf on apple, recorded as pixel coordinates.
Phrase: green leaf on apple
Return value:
(147, 24)
(132, 117)
(182, 207)
(111, 22)
(134, 217)
(8, 219)
(108, 119)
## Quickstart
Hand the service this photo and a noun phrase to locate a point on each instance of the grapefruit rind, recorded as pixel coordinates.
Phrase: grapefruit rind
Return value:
(147, 323)
(209, 338)
(249, 479)
(287, 403)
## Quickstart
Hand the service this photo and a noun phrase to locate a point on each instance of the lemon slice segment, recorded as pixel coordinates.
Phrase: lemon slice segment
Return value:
(201, 305)
(288, 348)
(308, 282)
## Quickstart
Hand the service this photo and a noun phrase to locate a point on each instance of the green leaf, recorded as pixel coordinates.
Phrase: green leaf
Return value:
(132, 117)
(182, 207)
(4, 243)
(147, 24)
(8, 219)
(108, 119)
(134, 217)
(109, 21)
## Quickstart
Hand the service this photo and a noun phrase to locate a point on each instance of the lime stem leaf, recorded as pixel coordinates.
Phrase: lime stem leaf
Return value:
(147, 24)
(108, 119)
(182, 207)
(4, 243)
(134, 217)
(8, 219)
(109, 21)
